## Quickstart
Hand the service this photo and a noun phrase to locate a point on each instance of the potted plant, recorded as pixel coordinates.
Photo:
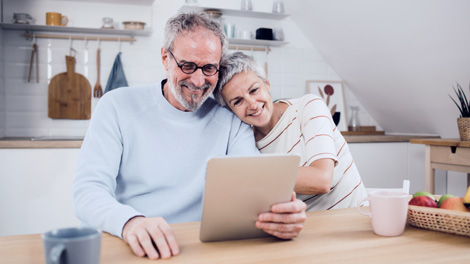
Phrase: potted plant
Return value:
(464, 121)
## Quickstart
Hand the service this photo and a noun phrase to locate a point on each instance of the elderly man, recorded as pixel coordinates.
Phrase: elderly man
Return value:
(142, 163)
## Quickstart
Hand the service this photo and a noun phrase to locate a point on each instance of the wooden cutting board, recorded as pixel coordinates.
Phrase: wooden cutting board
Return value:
(69, 94)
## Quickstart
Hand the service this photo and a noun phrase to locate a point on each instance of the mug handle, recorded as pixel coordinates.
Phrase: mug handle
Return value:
(66, 20)
(56, 252)
(359, 207)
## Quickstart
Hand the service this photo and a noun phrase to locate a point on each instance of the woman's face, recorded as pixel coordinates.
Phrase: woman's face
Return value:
(247, 95)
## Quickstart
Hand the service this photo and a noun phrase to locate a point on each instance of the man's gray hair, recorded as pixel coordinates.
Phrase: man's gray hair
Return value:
(233, 64)
(185, 22)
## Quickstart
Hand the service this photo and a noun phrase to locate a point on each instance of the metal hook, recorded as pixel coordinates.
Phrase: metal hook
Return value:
(120, 44)
(34, 38)
(86, 42)
(72, 50)
(99, 42)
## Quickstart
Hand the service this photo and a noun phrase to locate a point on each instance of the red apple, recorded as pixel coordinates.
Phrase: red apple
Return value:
(454, 203)
(423, 201)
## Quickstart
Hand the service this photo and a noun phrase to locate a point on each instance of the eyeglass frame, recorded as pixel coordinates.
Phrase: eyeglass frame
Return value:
(196, 67)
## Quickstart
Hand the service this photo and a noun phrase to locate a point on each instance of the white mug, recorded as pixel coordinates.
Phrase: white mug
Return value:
(388, 210)
(245, 34)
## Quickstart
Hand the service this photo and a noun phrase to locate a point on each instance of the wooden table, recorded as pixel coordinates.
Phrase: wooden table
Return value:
(444, 154)
(335, 236)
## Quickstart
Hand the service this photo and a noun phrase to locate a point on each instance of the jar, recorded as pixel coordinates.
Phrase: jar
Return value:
(354, 124)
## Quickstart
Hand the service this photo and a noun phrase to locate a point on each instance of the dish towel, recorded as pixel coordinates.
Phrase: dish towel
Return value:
(116, 77)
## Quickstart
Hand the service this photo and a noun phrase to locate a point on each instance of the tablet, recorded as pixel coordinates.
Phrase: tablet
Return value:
(238, 189)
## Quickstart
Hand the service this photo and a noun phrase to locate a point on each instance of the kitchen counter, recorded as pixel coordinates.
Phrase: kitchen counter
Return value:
(44, 142)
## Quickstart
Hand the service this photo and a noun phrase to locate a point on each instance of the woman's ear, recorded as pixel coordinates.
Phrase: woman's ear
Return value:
(164, 54)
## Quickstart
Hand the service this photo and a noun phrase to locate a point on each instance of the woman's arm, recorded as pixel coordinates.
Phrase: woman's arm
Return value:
(316, 178)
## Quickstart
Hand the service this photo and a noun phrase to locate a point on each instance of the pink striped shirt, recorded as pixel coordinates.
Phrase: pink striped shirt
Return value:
(307, 129)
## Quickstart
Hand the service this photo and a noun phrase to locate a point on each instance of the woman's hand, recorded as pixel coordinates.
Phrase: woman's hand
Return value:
(285, 220)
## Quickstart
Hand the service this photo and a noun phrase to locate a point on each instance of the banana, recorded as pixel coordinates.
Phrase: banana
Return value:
(466, 198)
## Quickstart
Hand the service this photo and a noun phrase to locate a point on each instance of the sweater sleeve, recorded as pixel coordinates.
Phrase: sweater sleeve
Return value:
(242, 140)
(97, 168)
(317, 129)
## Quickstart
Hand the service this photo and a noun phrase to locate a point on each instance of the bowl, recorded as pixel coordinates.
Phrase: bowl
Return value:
(133, 25)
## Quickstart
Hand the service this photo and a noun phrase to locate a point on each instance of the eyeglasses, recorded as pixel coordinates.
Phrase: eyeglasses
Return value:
(191, 67)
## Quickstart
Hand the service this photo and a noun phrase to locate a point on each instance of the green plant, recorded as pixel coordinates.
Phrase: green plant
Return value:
(464, 106)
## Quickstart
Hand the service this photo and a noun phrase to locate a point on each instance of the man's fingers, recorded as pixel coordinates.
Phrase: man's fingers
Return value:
(170, 239)
(147, 245)
(160, 242)
(135, 246)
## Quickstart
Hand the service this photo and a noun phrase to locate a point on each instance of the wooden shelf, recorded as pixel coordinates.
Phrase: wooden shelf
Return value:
(34, 28)
(234, 12)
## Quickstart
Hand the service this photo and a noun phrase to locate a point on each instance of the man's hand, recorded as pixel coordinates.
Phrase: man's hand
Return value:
(150, 236)
(285, 220)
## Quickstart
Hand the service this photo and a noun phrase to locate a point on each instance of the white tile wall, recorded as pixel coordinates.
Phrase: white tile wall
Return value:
(2, 88)
(24, 112)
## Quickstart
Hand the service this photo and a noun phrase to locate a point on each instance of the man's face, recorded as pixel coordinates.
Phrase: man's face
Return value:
(187, 92)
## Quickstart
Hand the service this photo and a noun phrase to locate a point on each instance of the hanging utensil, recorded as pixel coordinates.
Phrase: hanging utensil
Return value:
(97, 90)
(34, 55)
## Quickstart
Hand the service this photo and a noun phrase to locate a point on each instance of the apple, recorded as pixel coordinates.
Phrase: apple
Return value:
(423, 201)
(443, 197)
(422, 193)
(454, 203)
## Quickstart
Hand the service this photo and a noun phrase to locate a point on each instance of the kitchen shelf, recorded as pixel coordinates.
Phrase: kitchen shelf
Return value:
(258, 42)
(29, 27)
(234, 12)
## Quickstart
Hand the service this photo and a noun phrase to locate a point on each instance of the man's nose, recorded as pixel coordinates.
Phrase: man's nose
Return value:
(198, 78)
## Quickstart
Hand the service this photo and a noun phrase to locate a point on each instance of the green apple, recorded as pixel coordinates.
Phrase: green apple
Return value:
(422, 193)
(443, 197)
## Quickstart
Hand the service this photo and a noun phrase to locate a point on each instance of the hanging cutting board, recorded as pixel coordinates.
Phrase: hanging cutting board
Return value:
(69, 94)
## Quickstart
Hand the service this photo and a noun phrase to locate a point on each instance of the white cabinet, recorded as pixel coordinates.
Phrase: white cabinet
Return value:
(386, 165)
(36, 190)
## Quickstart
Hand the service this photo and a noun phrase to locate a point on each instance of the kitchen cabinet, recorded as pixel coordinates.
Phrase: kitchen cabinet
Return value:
(244, 14)
(36, 190)
(386, 165)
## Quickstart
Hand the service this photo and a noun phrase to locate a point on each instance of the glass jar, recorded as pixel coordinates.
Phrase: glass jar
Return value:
(354, 124)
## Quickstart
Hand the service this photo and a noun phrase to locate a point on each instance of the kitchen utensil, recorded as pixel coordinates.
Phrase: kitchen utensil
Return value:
(97, 91)
(34, 55)
(133, 25)
(69, 94)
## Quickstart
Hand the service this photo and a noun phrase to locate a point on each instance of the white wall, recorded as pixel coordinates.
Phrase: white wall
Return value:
(25, 108)
(400, 58)
(2, 88)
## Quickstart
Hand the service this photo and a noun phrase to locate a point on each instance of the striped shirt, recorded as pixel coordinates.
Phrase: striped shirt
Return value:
(307, 129)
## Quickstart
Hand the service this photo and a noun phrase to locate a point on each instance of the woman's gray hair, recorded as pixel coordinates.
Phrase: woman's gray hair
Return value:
(233, 64)
(185, 22)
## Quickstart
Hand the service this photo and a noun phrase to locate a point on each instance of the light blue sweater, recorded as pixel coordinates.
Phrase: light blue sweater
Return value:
(142, 156)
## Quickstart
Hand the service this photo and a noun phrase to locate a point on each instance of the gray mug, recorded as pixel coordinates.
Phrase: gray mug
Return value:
(76, 245)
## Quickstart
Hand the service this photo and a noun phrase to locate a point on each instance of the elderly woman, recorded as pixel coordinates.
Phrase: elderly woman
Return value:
(328, 177)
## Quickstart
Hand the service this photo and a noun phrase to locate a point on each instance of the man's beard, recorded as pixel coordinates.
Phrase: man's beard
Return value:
(193, 103)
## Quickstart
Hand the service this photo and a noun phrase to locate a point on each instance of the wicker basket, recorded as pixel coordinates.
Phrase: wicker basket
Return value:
(464, 128)
(443, 220)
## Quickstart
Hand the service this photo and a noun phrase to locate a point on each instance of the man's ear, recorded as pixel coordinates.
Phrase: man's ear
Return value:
(164, 54)
(268, 85)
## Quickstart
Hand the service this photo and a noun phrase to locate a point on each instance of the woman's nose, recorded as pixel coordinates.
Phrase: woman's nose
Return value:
(251, 102)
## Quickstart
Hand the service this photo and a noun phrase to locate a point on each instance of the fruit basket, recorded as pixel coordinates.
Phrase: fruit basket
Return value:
(443, 220)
